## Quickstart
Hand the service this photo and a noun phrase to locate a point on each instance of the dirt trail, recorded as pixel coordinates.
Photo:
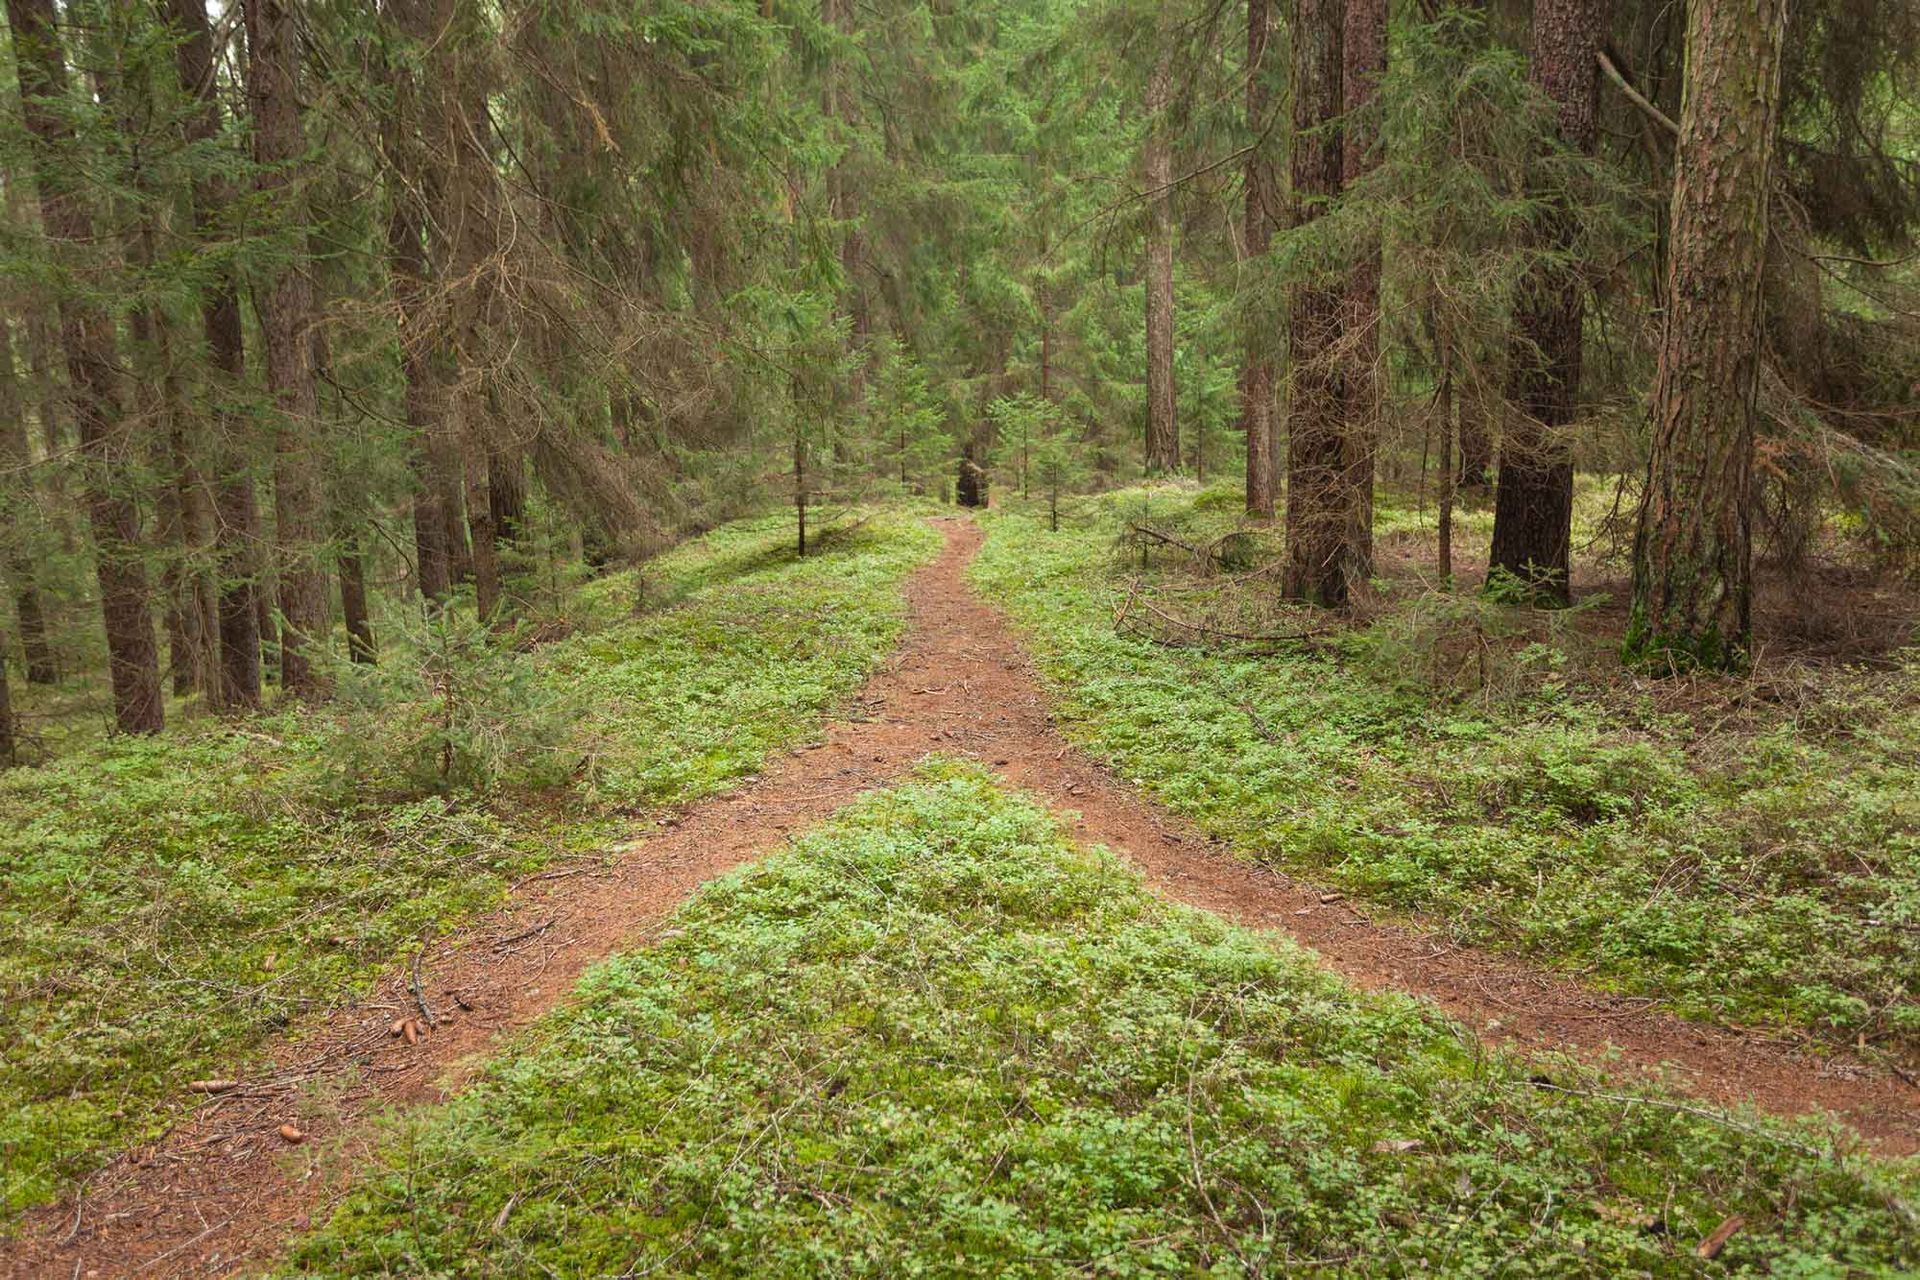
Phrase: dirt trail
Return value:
(224, 1190)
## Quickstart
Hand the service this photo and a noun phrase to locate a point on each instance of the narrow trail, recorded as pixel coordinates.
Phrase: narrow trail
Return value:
(224, 1190)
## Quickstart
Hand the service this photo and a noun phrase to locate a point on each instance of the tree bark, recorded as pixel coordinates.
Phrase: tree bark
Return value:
(9, 752)
(286, 315)
(486, 552)
(1692, 563)
(87, 335)
(1256, 372)
(1319, 509)
(235, 516)
(1363, 47)
(16, 456)
(353, 603)
(1163, 430)
(1533, 503)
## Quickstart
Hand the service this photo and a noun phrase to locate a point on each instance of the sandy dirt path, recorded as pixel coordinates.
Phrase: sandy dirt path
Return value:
(224, 1190)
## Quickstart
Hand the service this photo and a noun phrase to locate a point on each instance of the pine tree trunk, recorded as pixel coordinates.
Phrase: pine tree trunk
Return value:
(9, 751)
(1692, 563)
(353, 604)
(486, 558)
(1476, 443)
(1163, 431)
(507, 491)
(16, 519)
(286, 316)
(1319, 511)
(1533, 503)
(88, 337)
(1363, 47)
(235, 515)
(1256, 373)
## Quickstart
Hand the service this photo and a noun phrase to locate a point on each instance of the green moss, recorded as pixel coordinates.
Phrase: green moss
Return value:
(171, 904)
(934, 1038)
(1773, 876)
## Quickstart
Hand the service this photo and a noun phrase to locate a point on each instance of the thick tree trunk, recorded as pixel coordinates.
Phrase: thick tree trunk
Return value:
(353, 604)
(286, 316)
(1256, 372)
(1319, 504)
(87, 334)
(1163, 430)
(1363, 47)
(1533, 504)
(16, 458)
(1692, 585)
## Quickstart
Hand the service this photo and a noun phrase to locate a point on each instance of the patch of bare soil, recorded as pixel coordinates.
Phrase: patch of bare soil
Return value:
(226, 1188)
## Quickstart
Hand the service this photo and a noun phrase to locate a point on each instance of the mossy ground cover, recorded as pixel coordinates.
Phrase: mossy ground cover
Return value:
(1741, 858)
(933, 1037)
(170, 904)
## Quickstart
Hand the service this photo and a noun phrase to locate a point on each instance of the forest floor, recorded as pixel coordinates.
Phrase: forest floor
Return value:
(225, 1190)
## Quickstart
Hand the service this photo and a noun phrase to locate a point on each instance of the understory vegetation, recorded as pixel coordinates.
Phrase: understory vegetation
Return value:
(1747, 850)
(933, 1037)
(170, 903)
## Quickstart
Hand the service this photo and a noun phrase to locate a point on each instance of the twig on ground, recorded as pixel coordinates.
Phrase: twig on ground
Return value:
(419, 997)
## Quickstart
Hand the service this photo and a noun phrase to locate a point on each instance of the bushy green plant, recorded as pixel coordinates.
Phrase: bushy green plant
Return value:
(456, 706)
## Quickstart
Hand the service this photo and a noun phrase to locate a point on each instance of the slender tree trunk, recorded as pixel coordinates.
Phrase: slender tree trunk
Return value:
(9, 751)
(1444, 409)
(507, 492)
(1692, 563)
(486, 558)
(1256, 372)
(16, 456)
(1319, 511)
(1476, 442)
(87, 334)
(235, 516)
(843, 192)
(286, 316)
(1363, 47)
(1533, 505)
(353, 603)
(1163, 430)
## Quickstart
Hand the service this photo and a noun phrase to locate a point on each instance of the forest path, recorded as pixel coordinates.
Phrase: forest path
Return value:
(224, 1190)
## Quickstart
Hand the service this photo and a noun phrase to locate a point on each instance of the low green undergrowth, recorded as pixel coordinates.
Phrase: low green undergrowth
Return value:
(1439, 761)
(934, 1038)
(170, 903)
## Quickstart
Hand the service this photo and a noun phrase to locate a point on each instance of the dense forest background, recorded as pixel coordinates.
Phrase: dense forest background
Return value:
(315, 311)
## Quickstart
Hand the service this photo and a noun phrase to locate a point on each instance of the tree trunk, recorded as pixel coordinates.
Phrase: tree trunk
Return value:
(1363, 47)
(1319, 510)
(424, 399)
(16, 457)
(87, 334)
(1444, 410)
(235, 516)
(1476, 442)
(9, 753)
(1533, 504)
(486, 557)
(1256, 373)
(1692, 585)
(1163, 431)
(353, 603)
(286, 316)
(507, 492)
